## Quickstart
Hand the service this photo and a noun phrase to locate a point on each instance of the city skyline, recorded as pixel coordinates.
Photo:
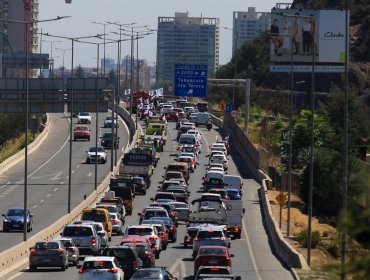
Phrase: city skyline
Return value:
(80, 24)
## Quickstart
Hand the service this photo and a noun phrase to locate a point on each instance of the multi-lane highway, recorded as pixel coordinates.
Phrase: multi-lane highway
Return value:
(48, 176)
(254, 259)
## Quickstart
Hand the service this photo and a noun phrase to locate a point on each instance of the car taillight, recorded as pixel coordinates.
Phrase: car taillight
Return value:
(60, 251)
(33, 251)
(228, 261)
(148, 255)
(153, 249)
(197, 239)
(115, 222)
(93, 241)
(135, 263)
(113, 270)
(162, 235)
(223, 238)
(171, 228)
(153, 238)
(72, 249)
(82, 271)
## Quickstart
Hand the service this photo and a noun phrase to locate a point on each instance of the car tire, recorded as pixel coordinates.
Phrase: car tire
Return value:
(110, 238)
(28, 228)
(33, 267)
(88, 139)
(5, 229)
(88, 161)
(157, 254)
(63, 268)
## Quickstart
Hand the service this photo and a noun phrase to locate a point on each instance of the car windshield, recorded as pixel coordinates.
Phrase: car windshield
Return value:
(98, 264)
(15, 212)
(212, 251)
(93, 149)
(174, 175)
(95, 216)
(146, 274)
(187, 140)
(210, 234)
(82, 128)
(164, 196)
(185, 160)
(46, 245)
(84, 114)
(77, 231)
(139, 231)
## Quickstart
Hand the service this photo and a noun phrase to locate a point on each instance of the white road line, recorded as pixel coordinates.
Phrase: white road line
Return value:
(175, 265)
(3, 186)
(61, 183)
(78, 166)
(34, 206)
(48, 195)
(56, 177)
(67, 177)
(55, 189)
(250, 251)
(41, 201)
(89, 174)
(73, 171)
(13, 187)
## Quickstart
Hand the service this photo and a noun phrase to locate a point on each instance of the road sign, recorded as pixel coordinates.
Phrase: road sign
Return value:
(234, 113)
(222, 106)
(281, 198)
(284, 136)
(230, 107)
(191, 80)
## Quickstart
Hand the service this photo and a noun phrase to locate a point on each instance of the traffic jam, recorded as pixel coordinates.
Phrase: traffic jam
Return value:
(213, 217)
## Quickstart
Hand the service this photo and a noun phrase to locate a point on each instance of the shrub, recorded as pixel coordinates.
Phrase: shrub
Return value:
(303, 238)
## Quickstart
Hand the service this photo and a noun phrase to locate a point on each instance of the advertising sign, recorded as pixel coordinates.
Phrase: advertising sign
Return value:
(191, 80)
(300, 35)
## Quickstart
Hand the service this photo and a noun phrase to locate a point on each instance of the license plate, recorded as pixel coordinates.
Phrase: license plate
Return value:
(97, 272)
(212, 262)
(16, 225)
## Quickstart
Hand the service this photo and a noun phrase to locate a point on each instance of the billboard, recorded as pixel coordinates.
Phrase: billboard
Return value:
(299, 35)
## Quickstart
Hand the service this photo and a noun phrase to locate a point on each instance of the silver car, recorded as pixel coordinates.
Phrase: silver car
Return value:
(182, 210)
(48, 254)
(116, 223)
(71, 248)
(100, 230)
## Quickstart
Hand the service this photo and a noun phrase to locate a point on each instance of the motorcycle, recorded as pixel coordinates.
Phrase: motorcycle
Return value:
(209, 126)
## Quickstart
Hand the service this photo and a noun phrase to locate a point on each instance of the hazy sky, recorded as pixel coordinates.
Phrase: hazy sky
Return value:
(143, 12)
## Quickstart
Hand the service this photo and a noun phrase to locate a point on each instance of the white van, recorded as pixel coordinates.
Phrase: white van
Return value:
(189, 140)
(233, 182)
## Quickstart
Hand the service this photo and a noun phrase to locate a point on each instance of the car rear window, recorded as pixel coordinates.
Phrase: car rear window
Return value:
(46, 245)
(97, 265)
(187, 140)
(143, 274)
(93, 216)
(77, 231)
(164, 196)
(214, 270)
(67, 243)
(119, 253)
(139, 231)
(151, 214)
(210, 234)
(212, 251)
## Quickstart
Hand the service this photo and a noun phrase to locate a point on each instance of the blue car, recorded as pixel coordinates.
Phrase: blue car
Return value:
(234, 194)
(14, 220)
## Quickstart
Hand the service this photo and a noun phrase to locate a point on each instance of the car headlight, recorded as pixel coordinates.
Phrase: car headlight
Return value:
(6, 220)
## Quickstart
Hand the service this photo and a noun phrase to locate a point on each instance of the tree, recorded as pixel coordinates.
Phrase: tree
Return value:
(80, 73)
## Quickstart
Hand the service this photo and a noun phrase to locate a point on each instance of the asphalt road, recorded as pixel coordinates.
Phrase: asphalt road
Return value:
(48, 176)
(254, 259)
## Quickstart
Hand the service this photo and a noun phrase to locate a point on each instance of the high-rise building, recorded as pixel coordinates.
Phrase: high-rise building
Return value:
(13, 36)
(186, 40)
(248, 25)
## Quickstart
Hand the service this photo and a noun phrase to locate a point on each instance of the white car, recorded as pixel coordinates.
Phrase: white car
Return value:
(116, 223)
(84, 118)
(100, 230)
(147, 231)
(220, 159)
(189, 124)
(101, 268)
(219, 147)
(96, 154)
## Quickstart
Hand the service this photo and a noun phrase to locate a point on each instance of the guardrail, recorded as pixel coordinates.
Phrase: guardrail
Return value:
(250, 155)
(16, 258)
(14, 159)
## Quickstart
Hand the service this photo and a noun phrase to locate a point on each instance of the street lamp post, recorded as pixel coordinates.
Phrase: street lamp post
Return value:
(27, 46)
(235, 40)
(64, 51)
(104, 25)
(51, 70)
(72, 39)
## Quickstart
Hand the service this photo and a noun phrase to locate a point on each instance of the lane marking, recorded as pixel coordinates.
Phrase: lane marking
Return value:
(67, 177)
(89, 174)
(3, 186)
(78, 166)
(73, 171)
(56, 177)
(34, 206)
(61, 183)
(48, 195)
(41, 201)
(55, 189)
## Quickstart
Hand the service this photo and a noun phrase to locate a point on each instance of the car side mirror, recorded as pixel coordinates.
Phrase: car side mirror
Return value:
(31, 215)
(3, 215)
(243, 210)
(139, 214)
(231, 255)
(79, 266)
(164, 168)
(152, 199)
(100, 137)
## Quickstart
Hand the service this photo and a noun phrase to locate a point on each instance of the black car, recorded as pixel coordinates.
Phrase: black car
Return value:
(140, 185)
(127, 258)
(144, 252)
(106, 140)
(14, 220)
(159, 273)
(170, 225)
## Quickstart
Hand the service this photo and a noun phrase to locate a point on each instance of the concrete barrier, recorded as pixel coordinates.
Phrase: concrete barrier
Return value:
(251, 156)
(16, 258)
(14, 159)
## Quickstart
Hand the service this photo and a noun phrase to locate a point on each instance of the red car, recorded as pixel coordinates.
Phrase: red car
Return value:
(81, 132)
(172, 116)
(212, 256)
